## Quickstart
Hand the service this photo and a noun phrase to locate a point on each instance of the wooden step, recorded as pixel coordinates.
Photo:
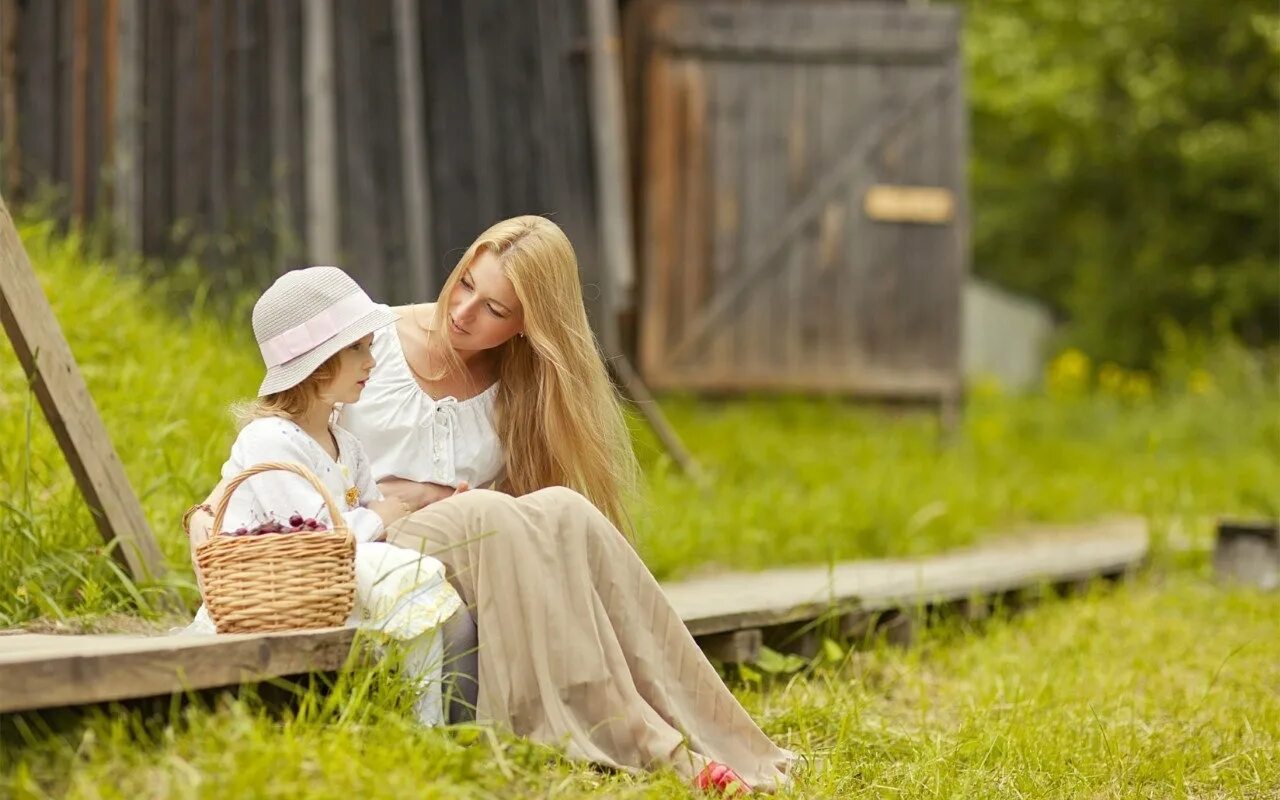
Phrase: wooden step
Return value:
(726, 613)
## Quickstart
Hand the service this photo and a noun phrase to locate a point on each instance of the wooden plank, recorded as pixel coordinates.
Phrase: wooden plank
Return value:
(1049, 554)
(451, 148)
(851, 32)
(38, 94)
(661, 190)
(215, 72)
(158, 128)
(613, 200)
(362, 216)
(609, 136)
(10, 18)
(725, 613)
(733, 647)
(285, 103)
(871, 381)
(107, 64)
(42, 671)
(189, 175)
(127, 132)
(79, 178)
(924, 204)
(97, 88)
(423, 273)
(320, 133)
(47, 360)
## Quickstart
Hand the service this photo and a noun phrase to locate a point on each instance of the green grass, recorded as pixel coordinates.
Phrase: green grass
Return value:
(1162, 688)
(794, 481)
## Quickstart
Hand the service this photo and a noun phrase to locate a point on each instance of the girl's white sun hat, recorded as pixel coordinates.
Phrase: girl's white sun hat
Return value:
(305, 317)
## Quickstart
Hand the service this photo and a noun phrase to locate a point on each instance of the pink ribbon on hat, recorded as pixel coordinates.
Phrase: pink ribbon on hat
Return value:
(300, 338)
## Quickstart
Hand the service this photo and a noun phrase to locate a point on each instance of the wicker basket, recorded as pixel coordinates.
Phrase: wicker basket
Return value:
(275, 582)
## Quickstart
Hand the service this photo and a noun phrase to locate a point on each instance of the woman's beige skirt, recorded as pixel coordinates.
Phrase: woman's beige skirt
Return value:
(579, 647)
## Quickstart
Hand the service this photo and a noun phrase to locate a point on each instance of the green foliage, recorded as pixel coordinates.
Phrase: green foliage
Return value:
(1126, 164)
(162, 375)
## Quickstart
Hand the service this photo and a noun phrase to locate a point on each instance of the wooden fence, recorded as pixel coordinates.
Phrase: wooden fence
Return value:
(379, 134)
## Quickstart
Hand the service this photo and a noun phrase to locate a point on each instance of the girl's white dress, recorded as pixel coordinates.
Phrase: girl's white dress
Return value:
(399, 593)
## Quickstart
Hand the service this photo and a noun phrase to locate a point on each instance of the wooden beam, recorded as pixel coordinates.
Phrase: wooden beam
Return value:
(10, 16)
(320, 104)
(725, 613)
(798, 594)
(43, 671)
(609, 138)
(613, 215)
(886, 33)
(733, 647)
(413, 152)
(126, 125)
(50, 367)
(79, 111)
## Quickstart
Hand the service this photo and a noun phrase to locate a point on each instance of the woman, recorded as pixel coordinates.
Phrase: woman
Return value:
(500, 383)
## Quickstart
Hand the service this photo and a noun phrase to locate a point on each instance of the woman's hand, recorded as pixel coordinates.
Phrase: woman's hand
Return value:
(417, 494)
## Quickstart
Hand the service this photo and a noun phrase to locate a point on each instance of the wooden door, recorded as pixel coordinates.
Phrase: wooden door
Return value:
(802, 195)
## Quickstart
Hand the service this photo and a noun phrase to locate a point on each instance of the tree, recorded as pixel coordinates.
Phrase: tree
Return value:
(1126, 164)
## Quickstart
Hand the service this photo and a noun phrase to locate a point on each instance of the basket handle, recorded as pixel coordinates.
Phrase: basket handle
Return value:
(220, 512)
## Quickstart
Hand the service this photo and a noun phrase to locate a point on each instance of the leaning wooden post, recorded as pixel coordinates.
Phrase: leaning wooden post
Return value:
(50, 367)
(613, 212)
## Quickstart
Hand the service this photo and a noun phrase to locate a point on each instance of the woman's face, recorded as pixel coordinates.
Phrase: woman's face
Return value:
(484, 311)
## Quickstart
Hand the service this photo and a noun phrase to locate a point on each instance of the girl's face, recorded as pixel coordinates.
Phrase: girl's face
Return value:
(484, 311)
(355, 363)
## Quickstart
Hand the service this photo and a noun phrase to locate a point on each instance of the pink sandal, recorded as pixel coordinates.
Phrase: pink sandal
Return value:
(722, 779)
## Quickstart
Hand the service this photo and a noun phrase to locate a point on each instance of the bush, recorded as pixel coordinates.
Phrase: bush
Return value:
(1126, 165)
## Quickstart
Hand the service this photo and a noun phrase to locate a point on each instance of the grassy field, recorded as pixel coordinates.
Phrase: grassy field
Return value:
(1163, 688)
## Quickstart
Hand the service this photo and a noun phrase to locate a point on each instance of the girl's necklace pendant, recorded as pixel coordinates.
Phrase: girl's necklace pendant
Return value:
(353, 494)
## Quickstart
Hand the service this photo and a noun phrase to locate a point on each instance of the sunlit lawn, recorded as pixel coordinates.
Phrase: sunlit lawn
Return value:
(1166, 687)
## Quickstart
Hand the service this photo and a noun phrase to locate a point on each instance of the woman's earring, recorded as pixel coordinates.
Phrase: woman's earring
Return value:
(520, 334)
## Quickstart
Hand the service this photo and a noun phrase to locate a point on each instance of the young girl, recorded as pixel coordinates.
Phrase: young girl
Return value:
(314, 327)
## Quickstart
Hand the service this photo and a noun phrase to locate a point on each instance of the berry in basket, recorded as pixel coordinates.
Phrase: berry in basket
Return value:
(296, 524)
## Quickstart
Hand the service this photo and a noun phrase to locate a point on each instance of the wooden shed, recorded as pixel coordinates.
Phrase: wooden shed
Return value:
(800, 183)
(797, 184)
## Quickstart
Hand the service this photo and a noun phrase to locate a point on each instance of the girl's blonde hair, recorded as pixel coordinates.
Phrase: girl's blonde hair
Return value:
(292, 402)
(558, 415)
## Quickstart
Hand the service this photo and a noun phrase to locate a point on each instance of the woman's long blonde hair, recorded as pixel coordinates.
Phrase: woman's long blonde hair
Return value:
(558, 415)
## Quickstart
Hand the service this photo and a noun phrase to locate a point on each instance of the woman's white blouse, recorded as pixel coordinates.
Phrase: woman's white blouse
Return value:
(278, 495)
(409, 434)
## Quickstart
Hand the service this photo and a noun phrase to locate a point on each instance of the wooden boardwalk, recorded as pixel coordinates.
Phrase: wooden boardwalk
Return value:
(729, 614)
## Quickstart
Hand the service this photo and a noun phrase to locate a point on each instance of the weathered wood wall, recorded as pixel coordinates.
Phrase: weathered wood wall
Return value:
(802, 192)
(222, 128)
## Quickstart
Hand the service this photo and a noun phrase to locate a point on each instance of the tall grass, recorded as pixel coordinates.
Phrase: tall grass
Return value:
(794, 480)
(1162, 688)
